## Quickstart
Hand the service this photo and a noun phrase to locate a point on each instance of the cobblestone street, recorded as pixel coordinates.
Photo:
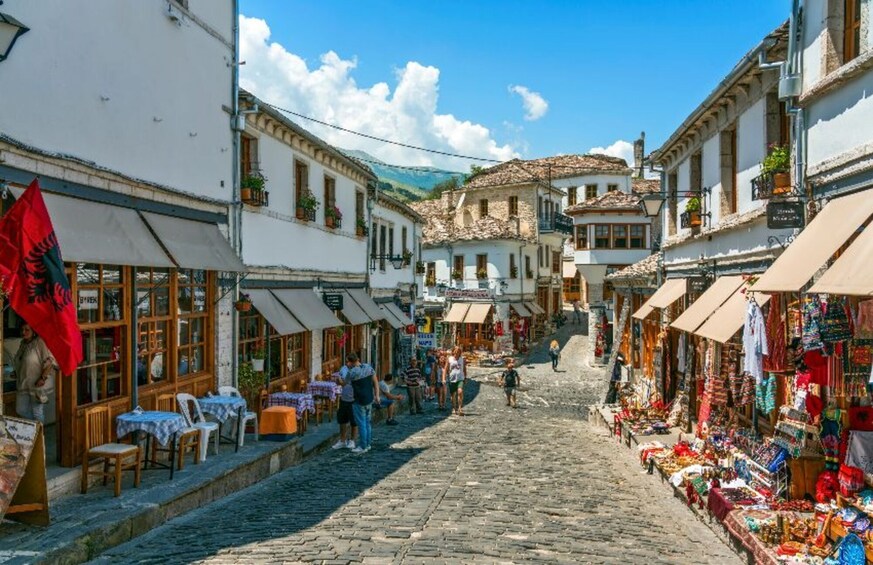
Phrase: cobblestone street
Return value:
(536, 484)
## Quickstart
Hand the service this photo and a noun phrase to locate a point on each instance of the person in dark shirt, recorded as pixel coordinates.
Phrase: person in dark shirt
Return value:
(615, 380)
(510, 380)
(412, 374)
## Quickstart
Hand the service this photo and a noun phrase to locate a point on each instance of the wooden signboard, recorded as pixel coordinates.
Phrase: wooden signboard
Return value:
(333, 300)
(23, 491)
(784, 215)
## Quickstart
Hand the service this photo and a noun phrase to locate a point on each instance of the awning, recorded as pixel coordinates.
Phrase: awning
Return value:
(477, 313)
(93, 232)
(366, 303)
(668, 293)
(570, 270)
(392, 320)
(457, 312)
(696, 314)
(817, 243)
(194, 245)
(520, 309)
(308, 308)
(276, 314)
(354, 313)
(534, 308)
(852, 273)
(397, 313)
(730, 317)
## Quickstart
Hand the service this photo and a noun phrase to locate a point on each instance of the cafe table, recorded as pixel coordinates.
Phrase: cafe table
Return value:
(163, 426)
(222, 407)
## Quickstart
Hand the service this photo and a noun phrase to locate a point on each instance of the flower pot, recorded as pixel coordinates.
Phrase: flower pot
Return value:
(781, 183)
(258, 365)
(242, 306)
(359, 231)
(301, 213)
(694, 219)
(329, 221)
(245, 194)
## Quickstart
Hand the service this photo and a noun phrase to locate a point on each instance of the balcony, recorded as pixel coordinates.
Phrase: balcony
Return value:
(691, 220)
(558, 223)
(307, 214)
(255, 197)
(772, 184)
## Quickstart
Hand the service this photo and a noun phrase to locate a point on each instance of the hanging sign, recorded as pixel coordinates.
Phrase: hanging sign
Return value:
(483, 294)
(427, 340)
(698, 284)
(88, 299)
(333, 300)
(784, 215)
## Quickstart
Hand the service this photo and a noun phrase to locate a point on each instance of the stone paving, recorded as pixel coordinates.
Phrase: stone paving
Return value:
(536, 484)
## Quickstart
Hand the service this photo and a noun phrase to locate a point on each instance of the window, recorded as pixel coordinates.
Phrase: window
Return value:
(637, 237)
(482, 265)
(852, 30)
(590, 191)
(611, 187)
(100, 299)
(513, 205)
(673, 199)
(540, 255)
(548, 254)
(374, 249)
(153, 309)
(100, 293)
(528, 272)
(359, 205)
(191, 290)
(541, 210)
(571, 196)
(403, 247)
(458, 266)
(248, 151)
(383, 236)
(301, 179)
(619, 237)
(391, 241)
(513, 269)
(430, 275)
(483, 207)
(329, 195)
(601, 237)
(581, 237)
(556, 261)
(296, 360)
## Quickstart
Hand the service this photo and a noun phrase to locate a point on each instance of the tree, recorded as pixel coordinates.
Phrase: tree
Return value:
(451, 183)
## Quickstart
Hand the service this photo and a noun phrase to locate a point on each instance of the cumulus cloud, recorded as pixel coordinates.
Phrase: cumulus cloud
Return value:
(329, 92)
(621, 148)
(535, 106)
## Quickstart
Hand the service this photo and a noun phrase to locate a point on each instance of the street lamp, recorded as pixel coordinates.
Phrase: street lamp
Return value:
(10, 30)
(397, 261)
(652, 204)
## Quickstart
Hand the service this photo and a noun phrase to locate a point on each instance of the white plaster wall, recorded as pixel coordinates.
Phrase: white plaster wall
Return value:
(165, 86)
(814, 15)
(733, 244)
(841, 122)
(610, 256)
(711, 177)
(602, 181)
(751, 150)
(391, 278)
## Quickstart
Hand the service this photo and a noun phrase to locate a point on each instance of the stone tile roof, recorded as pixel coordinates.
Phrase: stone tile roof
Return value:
(645, 186)
(615, 200)
(440, 227)
(518, 171)
(645, 268)
(727, 223)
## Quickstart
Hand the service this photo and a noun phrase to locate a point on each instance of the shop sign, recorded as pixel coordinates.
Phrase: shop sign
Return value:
(698, 284)
(474, 293)
(784, 215)
(89, 299)
(333, 300)
(427, 341)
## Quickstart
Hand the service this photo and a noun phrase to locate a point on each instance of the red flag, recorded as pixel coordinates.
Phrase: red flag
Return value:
(33, 276)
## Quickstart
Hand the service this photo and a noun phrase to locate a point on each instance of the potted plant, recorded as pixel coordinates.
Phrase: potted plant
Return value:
(482, 273)
(692, 208)
(251, 187)
(407, 257)
(248, 380)
(513, 272)
(777, 163)
(361, 226)
(332, 216)
(306, 205)
(244, 304)
(259, 352)
(457, 274)
(419, 267)
(339, 332)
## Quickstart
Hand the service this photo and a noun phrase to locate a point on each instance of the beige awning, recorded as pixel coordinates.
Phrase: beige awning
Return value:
(696, 314)
(308, 308)
(194, 245)
(852, 273)
(353, 312)
(520, 309)
(276, 314)
(570, 270)
(457, 312)
(392, 320)
(730, 317)
(816, 244)
(534, 308)
(366, 302)
(477, 314)
(668, 293)
(398, 313)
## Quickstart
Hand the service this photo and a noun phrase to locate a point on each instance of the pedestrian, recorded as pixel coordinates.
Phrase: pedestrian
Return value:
(615, 379)
(454, 368)
(555, 353)
(412, 375)
(439, 379)
(577, 312)
(429, 364)
(35, 369)
(510, 380)
(345, 413)
(388, 398)
(366, 391)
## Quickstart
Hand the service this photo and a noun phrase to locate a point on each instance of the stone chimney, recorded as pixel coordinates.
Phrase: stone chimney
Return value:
(639, 155)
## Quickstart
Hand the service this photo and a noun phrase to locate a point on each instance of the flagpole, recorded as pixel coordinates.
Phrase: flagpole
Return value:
(134, 378)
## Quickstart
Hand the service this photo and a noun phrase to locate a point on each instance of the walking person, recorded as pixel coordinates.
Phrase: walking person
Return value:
(345, 416)
(366, 390)
(555, 353)
(577, 312)
(615, 380)
(412, 374)
(429, 364)
(510, 380)
(35, 369)
(455, 371)
(439, 379)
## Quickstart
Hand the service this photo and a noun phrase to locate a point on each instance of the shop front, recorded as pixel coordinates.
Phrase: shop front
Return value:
(519, 324)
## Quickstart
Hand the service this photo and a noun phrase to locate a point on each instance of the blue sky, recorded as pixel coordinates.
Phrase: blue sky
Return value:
(607, 70)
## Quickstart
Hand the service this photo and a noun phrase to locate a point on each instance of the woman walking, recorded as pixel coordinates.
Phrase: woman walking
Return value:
(35, 372)
(439, 379)
(455, 371)
(555, 353)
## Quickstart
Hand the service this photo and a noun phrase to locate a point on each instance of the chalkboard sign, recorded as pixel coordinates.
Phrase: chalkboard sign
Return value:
(782, 215)
(334, 301)
(698, 284)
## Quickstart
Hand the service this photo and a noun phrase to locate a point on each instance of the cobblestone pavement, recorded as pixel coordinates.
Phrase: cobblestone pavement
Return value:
(536, 484)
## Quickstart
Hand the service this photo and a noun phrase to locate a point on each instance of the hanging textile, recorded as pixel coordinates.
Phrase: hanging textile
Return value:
(716, 389)
(776, 359)
(831, 429)
(765, 394)
(835, 326)
(864, 320)
(754, 341)
(812, 320)
(857, 366)
(680, 353)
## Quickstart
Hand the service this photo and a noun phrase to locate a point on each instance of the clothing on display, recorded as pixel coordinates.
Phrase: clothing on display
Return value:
(776, 358)
(864, 320)
(836, 325)
(812, 320)
(754, 341)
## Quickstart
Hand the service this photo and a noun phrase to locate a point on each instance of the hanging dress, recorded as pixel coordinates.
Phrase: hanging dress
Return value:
(831, 430)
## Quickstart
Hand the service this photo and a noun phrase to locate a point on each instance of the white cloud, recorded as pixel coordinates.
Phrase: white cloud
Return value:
(621, 148)
(535, 106)
(330, 93)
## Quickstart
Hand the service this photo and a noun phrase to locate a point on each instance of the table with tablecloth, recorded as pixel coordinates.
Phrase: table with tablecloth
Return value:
(160, 425)
(327, 389)
(735, 522)
(222, 407)
(278, 422)
(301, 402)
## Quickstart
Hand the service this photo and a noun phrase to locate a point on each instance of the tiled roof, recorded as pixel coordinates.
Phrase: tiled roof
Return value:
(517, 171)
(645, 268)
(440, 227)
(615, 200)
(727, 223)
(645, 186)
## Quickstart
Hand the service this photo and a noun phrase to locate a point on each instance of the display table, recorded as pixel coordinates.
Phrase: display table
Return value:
(278, 423)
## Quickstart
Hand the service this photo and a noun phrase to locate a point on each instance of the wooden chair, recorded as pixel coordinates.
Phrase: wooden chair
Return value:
(187, 440)
(98, 445)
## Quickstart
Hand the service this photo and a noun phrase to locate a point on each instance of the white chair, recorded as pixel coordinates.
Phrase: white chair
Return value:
(249, 416)
(198, 421)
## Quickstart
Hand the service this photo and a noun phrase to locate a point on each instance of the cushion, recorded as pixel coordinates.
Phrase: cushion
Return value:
(112, 449)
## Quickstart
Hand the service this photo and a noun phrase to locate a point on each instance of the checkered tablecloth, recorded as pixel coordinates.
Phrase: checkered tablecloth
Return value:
(301, 402)
(325, 388)
(161, 425)
(222, 407)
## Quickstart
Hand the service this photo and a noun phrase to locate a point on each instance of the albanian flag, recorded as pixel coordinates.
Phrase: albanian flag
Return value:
(33, 277)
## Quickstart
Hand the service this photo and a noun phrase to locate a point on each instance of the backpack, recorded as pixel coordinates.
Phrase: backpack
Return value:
(509, 378)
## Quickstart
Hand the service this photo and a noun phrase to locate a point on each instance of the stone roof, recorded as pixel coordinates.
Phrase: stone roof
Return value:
(727, 223)
(518, 171)
(643, 269)
(645, 186)
(615, 200)
(440, 227)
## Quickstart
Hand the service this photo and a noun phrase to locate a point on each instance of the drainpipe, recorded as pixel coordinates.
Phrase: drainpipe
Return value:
(236, 206)
(373, 337)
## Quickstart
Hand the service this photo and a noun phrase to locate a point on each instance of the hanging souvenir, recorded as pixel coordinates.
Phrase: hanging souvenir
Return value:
(812, 321)
(776, 360)
(835, 326)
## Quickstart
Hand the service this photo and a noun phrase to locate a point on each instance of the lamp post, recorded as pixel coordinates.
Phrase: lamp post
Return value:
(10, 30)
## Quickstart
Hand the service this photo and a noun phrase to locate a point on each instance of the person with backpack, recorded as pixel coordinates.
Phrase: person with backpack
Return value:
(555, 353)
(615, 380)
(366, 391)
(510, 380)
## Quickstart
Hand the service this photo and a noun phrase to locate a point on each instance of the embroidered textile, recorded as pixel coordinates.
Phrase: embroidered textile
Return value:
(754, 341)
(776, 358)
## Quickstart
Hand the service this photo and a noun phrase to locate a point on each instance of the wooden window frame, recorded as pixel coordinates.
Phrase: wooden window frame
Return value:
(483, 207)
(513, 205)
(458, 264)
(556, 262)
(430, 274)
(481, 262)
(527, 267)
(851, 27)
(613, 237)
(631, 237)
(581, 237)
(590, 191)
(329, 194)
(608, 236)
(190, 349)
(571, 195)
(403, 234)
(512, 267)
(301, 180)
(612, 187)
(359, 206)
(383, 240)
(151, 322)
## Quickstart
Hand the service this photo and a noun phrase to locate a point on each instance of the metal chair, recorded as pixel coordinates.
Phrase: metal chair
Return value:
(206, 428)
(98, 445)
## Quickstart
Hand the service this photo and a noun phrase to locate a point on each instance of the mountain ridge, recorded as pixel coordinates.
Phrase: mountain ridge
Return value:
(408, 184)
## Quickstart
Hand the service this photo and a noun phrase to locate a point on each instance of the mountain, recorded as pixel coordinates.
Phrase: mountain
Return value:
(406, 184)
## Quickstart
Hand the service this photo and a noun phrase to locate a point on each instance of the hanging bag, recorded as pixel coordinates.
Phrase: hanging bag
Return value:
(835, 325)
